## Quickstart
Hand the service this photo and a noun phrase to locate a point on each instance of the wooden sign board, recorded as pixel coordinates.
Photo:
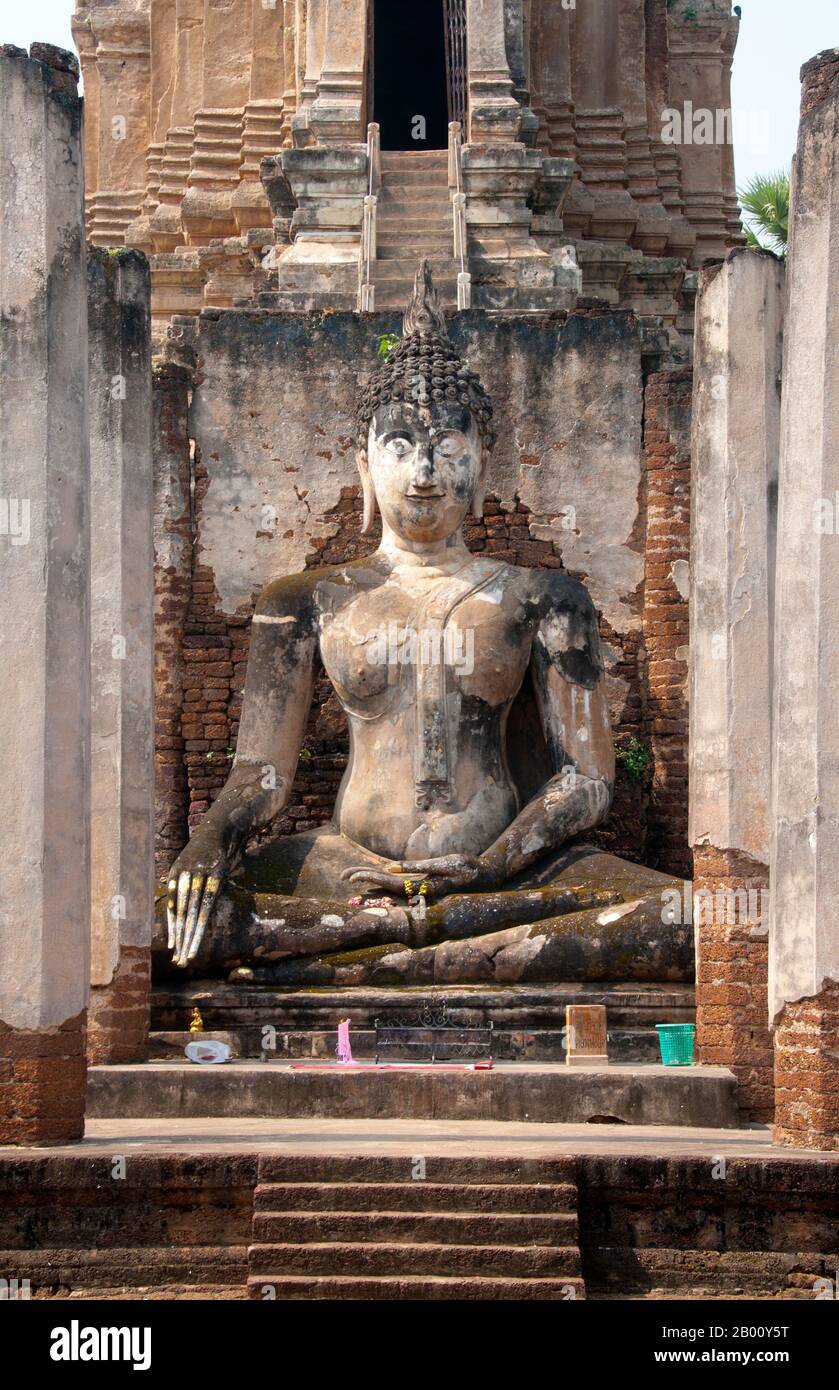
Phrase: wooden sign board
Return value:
(585, 1035)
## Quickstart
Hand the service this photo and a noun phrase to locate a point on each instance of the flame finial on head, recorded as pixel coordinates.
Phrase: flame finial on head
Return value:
(423, 314)
(424, 369)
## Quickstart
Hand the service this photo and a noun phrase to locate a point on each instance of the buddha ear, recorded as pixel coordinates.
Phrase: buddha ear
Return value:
(479, 491)
(368, 492)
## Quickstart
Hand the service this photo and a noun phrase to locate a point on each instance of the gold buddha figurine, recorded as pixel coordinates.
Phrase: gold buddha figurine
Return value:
(480, 740)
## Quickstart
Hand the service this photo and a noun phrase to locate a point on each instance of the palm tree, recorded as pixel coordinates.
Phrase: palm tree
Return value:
(765, 203)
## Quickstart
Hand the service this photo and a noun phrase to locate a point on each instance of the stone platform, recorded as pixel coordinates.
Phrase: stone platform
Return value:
(539, 1092)
(328, 1208)
(528, 1020)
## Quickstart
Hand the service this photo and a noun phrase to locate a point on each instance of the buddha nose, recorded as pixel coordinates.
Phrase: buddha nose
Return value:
(425, 474)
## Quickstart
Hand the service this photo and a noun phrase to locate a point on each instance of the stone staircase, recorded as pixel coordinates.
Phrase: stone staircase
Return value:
(414, 219)
(366, 1228)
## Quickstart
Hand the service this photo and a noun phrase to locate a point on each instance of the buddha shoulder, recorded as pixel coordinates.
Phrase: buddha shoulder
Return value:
(567, 627)
(300, 600)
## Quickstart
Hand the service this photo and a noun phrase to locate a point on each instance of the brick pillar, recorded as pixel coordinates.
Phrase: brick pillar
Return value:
(122, 759)
(736, 426)
(667, 409)
(804, 979)
(44, 602)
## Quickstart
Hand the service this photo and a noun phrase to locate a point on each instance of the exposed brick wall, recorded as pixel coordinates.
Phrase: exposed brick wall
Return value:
(818, 77)
(806, 1072)
(731, 981)
(43, 1079)
(215, 652)
(118, 1013)
(667, 410)
(173, 584)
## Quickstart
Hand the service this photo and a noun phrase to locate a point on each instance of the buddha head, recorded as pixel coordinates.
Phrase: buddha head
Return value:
(424, 429)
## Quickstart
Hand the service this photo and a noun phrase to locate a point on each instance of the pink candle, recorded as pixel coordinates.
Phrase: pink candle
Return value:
(344, 1050)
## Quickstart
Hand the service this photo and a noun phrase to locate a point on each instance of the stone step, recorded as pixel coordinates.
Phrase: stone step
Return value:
(399, 161)
(137, 1266)
(394, 301)
(401, 267)
(412, 230)
(419, 201)
(424, 207)
(442, 1169)
(548, 1092)
(437, 1228)
(419, 1196)
(528, 1019)
(357, 1257)
(414, 1287)
(438, 247)
(416, 178)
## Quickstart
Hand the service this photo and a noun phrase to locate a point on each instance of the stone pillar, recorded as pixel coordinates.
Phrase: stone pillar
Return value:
(599, 120)
(122, 596)
(121, 35)
(495, 116)
(215, 165)
(86, 44)
(739, 318)
(162, 48)
(172, 585)
(550, 63)
(668, 170)
(44, 602)
(702, 39)
(652, 230)
(166, 226)
(337, 113)
(517, 21)
(804, 979)
(290, 44)
(262, 127)
(311, 23)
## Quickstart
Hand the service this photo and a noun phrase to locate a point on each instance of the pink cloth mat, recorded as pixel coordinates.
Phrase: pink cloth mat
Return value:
(392, 1066)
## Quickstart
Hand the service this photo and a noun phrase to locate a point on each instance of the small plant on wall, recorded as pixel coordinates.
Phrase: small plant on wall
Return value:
(386, 342)
(634, 758)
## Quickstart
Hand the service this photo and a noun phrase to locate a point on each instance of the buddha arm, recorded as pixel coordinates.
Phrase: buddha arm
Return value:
(277, 698)
(569, 683)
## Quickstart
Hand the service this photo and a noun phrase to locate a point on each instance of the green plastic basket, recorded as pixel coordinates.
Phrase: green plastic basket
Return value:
(676, 1043)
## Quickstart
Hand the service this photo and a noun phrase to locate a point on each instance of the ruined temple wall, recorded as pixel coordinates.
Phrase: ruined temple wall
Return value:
(275, 491)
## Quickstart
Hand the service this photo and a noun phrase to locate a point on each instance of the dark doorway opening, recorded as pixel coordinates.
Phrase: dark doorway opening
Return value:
(410, 91)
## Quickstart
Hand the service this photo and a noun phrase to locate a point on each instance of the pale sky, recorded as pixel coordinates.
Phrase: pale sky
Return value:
(776, 37)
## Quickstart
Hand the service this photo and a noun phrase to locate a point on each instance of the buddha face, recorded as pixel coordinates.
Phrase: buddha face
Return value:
(426, 466)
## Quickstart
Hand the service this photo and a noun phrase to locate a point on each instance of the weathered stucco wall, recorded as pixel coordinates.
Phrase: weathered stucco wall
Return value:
(276, 491)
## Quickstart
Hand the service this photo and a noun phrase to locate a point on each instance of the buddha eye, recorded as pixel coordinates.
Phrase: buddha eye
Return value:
(448, 446)
(400, 445)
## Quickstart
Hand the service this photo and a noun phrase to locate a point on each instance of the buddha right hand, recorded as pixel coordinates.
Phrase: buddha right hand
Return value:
(194, 882)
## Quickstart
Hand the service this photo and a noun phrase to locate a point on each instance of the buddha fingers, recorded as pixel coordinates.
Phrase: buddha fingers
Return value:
(211, 888)
(184, 881)
(171, 912)
(196, 896)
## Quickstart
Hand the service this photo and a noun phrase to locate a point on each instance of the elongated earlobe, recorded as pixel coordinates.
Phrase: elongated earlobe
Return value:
(479, 494)
(368, 493)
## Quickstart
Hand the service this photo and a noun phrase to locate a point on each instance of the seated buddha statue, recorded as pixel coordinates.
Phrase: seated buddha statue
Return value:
(480, 741)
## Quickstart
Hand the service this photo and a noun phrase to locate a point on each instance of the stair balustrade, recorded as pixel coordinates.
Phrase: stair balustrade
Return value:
(458, 197)
(367, 250)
